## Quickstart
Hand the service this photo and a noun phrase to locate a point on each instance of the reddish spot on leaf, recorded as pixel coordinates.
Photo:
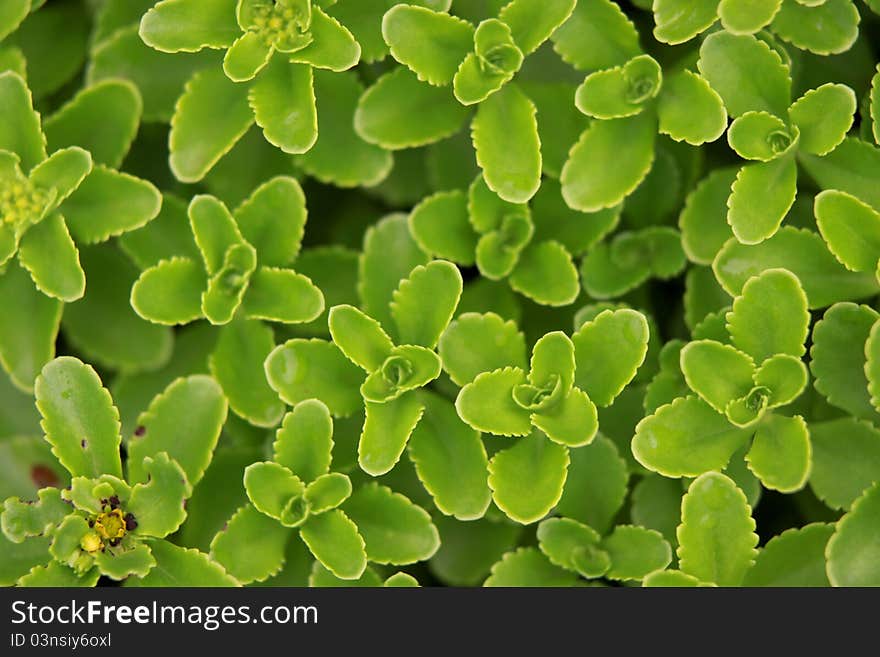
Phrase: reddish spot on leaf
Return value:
(140, 431)
(43, 476)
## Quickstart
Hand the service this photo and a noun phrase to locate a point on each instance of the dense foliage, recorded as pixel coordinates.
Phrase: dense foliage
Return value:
(462, 292)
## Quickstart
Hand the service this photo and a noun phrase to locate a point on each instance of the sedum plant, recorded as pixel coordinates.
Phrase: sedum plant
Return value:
(111, 522)
(371, 293)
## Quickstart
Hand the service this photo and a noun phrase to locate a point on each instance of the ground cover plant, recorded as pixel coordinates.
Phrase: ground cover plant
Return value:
(440, 292)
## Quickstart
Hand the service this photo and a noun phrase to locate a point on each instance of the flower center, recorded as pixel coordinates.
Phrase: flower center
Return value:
(110, 525)
(21, 203)
(284, 25)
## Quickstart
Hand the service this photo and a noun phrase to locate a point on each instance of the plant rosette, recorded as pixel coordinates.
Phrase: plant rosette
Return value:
(104, 524)
(763, 371)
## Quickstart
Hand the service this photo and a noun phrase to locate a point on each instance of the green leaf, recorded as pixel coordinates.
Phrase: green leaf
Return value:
(440, 226)
(760, 136)
(199, 135)
(13, 13)
(781, 454)
(823, 116)
(656, 504)
(21, 132)
(635, 552)
(119, 106)
(785, 376)
(406, 368)
(872, 365)
(431, 44)
(158, 76)
(109, 203)
(671, 579)
(102, 324)
(468, 549)
(275, 491)
(305, 369)
(387, 428)
(747, 16)
(703, 220)
(686, 438)
(304, 442)
(251, 545)
(246, 57)
(533, 21)
(79, 418)
(716, 536)
(597, 35)
(226, 288)
(608, 352)
(379, 275)
(340, 156)
(359, 337)
(54, 575)
(770, 316)
(424, 303)
(283, 101)
(167, 236)
(237, 365)
(796, 557)
(875, 106)
(170, 292)
(760, 197)
(64, 171)
(332, 47)
(494, 62)
(620, 91)
(527, 479)
(158, 504)
(838, 358)
(190, 25)
(21, 520)
(320, 577)
(282, 295)
(214, 229)
(826, 29)
(805, 255)
(327, 492)
(853, 549)
(334, 540)
(526, 566)
(546, 274)
(844, 445)
(49, 254)
(852, 167)
(179, 566)
(395, 530)
(273, 219)
(588, 184)
(399, 111)
(728, 62)
(573, 546)
(137, 561)
(505, 135)
(689, 110)
(702, 360)
(678, 21)
(572, 422)
(476, 343)
(596, 485)
(401, 580)
(487, 403)
(851, 229)
(450, 460)
(184, 421)
(27, 336)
